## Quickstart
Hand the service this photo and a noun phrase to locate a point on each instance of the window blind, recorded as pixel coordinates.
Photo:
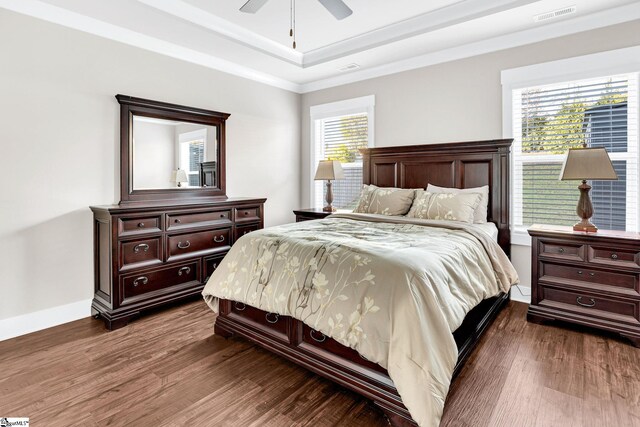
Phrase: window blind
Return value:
(341, 138)
(549, 120)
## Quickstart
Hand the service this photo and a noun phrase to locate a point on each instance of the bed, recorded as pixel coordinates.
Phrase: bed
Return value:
(461, 165)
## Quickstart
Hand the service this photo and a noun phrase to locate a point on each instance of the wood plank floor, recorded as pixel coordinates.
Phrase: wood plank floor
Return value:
(169, 369)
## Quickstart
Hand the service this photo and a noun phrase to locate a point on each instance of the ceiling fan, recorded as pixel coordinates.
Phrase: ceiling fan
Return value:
(336, 7)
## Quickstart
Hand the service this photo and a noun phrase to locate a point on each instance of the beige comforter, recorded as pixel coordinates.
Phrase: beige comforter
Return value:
(392, 288)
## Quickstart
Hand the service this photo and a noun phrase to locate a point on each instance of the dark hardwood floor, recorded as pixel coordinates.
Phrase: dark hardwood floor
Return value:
(168, 369)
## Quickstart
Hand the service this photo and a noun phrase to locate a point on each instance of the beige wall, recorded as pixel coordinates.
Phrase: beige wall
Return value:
(456, 101)
(59, 139)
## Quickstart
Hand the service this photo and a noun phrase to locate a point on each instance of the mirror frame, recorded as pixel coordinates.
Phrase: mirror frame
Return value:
(130, 107)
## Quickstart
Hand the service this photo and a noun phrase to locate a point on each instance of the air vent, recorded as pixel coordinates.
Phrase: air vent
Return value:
(350, 67)
(555, 14)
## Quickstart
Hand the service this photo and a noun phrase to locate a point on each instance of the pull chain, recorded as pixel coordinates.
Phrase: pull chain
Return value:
(294, 23)
(291, 19)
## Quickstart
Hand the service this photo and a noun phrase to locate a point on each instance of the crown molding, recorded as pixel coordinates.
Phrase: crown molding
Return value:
(431, 21)
(604, 18)
(229, 30)
(67, 18)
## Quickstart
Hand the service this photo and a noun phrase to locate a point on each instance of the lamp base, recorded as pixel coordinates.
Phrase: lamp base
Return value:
(328, 209)
(585, 226)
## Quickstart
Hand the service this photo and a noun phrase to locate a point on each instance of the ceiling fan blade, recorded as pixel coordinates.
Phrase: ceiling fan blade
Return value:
(337, 8)
(252, 6)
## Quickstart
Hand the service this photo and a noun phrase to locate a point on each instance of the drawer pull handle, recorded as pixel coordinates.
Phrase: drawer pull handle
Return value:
(141, 225)
(561, 250)
(185, 246)
(614, 256)
(141, 247)
(215, 265)
(141, 279)
(275, 317)
(177, 221)
(240, 306)
(246, 212)
(218, 239)
(592, 274)
(579, 271)
(222, 215)
(592, 302)
(186, 270)
(322, 339)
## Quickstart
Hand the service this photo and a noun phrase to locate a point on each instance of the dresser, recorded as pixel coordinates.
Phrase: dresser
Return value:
(590, 279)
(148, 255)
(310, 214)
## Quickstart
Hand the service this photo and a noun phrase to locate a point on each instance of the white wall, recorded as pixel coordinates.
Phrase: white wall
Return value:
(457, 101)
(59, 140)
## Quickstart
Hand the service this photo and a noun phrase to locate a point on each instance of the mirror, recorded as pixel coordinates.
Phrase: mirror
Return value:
(173, 154)
(170, 151)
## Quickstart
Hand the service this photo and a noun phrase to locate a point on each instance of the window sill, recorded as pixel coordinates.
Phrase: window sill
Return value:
(520, 237)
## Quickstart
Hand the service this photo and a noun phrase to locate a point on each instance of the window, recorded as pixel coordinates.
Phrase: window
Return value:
(191, 154)
(548, 119)
(339, 131)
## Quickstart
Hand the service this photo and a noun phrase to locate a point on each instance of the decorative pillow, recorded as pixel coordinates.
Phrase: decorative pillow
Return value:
(480, 214)
(446, 206)
(420, 205)
(385, 200)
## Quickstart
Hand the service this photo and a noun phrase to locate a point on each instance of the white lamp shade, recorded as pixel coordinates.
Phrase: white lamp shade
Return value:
(329, 169)
(179, 176)
(587, 164)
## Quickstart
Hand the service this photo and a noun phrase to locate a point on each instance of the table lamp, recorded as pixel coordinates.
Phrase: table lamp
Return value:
(587, 164)
(329, 170)
(179, 176)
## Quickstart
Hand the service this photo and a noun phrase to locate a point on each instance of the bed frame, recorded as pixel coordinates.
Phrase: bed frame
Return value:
(461, 165)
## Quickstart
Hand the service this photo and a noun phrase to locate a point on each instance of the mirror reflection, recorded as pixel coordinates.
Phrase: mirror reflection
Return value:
(173, 154)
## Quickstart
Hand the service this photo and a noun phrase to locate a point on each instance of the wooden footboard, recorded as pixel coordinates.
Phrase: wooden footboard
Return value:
(292, 339)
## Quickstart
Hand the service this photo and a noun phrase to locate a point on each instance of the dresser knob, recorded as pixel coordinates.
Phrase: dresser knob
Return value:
(591, 303)
(186, 270)
(614, 256)
(141, 247)
(141, 279)
(184, 245)
(246, 213)
(592, 274)
(272, 317)
(221, 215)
(239, 306)
(322, 338)
(561, 250)
(177, 221)
(141, 225)
(218, 239)
(579, 271)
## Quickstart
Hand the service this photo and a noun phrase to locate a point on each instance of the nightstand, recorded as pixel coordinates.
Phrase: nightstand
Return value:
(591, 279)
(309, 214)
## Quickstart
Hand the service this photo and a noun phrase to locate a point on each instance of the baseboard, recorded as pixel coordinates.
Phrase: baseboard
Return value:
(43, 319)
(521, 294)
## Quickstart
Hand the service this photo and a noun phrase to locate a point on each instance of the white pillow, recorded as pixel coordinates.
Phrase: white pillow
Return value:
(481, 212)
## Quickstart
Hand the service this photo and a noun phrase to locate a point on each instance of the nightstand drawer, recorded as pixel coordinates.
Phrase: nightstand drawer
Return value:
(551, 272)
(614, 256)
(620, 310)
(561, 250)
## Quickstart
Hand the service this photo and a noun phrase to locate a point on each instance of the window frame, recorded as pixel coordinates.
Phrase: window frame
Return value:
(364, 104)
(602, 64)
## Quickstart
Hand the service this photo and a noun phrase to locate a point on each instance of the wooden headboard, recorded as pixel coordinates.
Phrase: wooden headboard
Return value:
(459, 164)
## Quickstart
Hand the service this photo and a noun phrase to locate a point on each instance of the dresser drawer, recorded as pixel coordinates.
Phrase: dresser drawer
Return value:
(200, 242)
(317, 342)
(140, 253)
(245, 229)
(272, 323)
(248, 214)
(198, 219)
(614, 256)
(165, 280)
(551, 272)
(616, 309)
(139, 225)
(210, 265)
(561, 250)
